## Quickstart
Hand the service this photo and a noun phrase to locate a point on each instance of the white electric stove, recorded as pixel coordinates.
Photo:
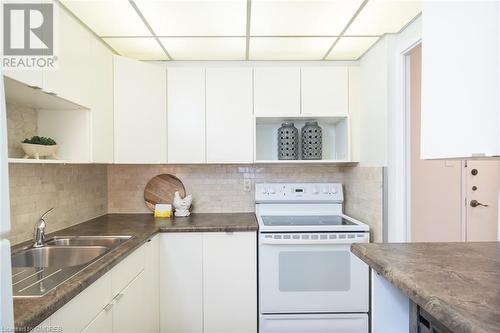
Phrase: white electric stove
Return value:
(308, 279)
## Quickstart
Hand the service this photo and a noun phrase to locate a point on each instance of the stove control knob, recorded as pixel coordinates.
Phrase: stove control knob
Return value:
(264, 190)
(315, 190)
(333, 190)
(272, 190)
(325, 190)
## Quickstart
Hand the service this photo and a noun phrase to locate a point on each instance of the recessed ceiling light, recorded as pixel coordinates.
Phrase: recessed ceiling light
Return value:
(137, 48)
(195, 18)
(188, 48)
(351, 48)
(299, 18)
(379, 17)
(109, 18)
(289, 48)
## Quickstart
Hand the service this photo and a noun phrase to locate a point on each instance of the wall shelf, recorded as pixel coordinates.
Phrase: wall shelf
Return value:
(335, 138)
(43, 161)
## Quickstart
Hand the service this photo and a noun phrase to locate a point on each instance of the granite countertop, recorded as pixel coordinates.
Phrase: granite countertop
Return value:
(30, 312)
(456, 283)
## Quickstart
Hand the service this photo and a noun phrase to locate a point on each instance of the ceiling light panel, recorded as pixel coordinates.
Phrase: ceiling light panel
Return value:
(188, 48)
(137, 48)
(109, 18)
(289, 48)
(195, 18)
(300, 18)
(351, 48)
(379, 17)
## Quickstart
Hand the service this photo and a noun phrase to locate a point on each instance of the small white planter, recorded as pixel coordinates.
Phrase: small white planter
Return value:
(39, 151)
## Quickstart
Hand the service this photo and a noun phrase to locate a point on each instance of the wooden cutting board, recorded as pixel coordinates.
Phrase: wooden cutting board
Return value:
(161, 189)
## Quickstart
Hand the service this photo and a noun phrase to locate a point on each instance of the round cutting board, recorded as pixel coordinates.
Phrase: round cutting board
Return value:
(161, 189)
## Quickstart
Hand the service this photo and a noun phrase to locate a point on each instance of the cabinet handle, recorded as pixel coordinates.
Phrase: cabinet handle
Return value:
(119, 296)
(34, 87)
(109, 306)
(50, 93)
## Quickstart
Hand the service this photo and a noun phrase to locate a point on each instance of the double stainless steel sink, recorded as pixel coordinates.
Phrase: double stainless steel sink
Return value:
(38, 270)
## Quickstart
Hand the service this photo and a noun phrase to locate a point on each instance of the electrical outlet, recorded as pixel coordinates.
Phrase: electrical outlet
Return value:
(247, 185)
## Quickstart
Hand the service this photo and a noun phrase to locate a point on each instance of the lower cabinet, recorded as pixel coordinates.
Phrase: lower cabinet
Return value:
(208, 282)
(123, 300)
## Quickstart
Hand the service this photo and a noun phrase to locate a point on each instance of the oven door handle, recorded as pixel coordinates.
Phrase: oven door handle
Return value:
(314, 241)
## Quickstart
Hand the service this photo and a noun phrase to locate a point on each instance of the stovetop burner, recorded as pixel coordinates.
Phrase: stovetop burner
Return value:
(329, 220)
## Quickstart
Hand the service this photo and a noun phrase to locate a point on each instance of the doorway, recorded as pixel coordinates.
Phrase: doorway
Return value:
(447, 200)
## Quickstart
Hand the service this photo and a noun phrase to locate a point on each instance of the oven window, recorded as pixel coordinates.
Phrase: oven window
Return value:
(314, 271)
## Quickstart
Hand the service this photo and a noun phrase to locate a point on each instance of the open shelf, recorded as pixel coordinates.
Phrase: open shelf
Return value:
(335, 139)
(43, 161)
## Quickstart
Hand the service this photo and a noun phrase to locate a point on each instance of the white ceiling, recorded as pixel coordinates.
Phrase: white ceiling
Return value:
(243, 29)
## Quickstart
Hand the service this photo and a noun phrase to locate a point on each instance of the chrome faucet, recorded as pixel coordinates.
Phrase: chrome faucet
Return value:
(39, 230)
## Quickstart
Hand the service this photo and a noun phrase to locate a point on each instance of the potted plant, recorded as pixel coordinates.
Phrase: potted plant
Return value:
(39, 146)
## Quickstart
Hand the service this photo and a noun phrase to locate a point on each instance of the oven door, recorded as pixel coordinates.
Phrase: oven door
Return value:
(311, 273)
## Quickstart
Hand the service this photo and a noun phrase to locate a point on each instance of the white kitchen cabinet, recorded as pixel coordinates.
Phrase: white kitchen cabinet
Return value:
(129, 310)
(181, 283)
(123, 300)
(325, 91)
(72, 79)
(32, 78)
(101, 102)
(103, 323)
(229, 282)
(390, 307)
(140, 112)
(81, 310)
(186, 115)
(460, 85)
(229, 115)
(277, 91)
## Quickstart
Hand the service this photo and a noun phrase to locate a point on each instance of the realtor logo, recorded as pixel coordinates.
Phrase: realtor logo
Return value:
(28, 35)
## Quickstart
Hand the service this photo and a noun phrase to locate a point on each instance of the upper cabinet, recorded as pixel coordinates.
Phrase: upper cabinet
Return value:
(140, 112)
(229, 115)
(325, 91)
(460, 79)
(186, 115)
(277, 91)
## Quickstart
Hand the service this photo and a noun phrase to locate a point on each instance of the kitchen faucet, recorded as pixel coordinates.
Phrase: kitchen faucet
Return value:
(39, 231)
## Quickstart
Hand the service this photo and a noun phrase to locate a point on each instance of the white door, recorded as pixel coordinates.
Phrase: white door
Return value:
(277, 91)
(129, 315)
(181, 283)
(140, 112)
(314, 323)
(229, 115)
(229, 282)
(481, 191)
(103, 323)
(325, 91)
(186, 115)
(460, 102)
(310, 277)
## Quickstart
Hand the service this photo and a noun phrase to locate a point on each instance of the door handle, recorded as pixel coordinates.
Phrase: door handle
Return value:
(475, 203)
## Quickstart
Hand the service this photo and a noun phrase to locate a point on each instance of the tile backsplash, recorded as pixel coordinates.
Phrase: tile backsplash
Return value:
(78, 193)
(82, 192)
(219, 188)
(21, 124)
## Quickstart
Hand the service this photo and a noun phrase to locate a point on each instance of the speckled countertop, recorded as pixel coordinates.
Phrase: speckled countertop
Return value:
(457, 283)
(29, 312)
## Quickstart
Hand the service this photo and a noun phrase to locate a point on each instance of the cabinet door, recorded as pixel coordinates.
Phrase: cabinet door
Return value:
(186, 115)
(325, 91)
(152, 285)
(140, 108)
(32, 78)
(103, 323)
(277, 91)
(229, 115)
(72, 79)
(230, 282)
(181, 276)
(460, 101)
(129, 312)
(101, 103)
(81, 310)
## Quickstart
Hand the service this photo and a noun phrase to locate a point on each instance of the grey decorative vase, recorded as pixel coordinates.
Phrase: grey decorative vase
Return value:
(288, 142)
(312, 141)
